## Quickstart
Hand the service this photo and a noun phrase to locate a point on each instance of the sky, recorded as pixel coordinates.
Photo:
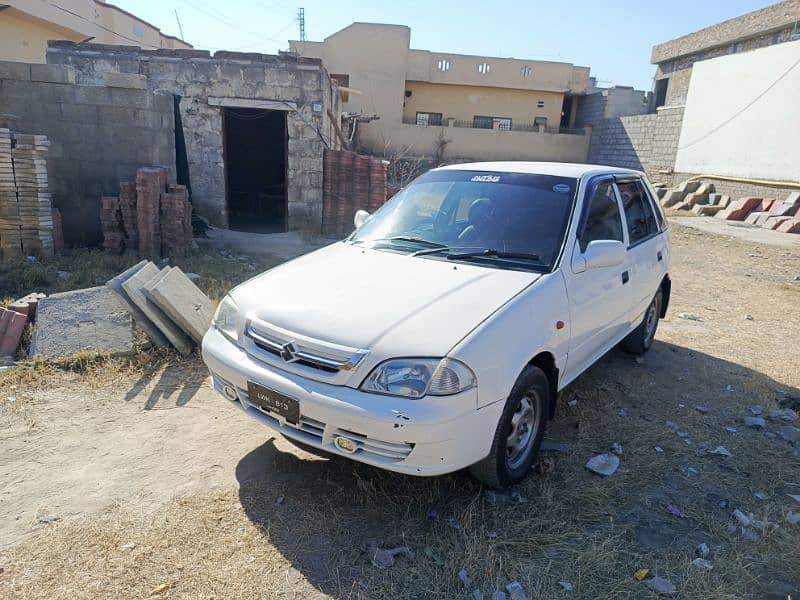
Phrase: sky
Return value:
(612, 37)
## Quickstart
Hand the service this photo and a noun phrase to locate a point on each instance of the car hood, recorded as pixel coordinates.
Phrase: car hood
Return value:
(389, 303)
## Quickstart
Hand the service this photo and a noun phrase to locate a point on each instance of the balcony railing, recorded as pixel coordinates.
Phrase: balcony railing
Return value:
(499, 127)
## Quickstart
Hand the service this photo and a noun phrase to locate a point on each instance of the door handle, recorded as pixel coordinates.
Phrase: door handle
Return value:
(660, 256)
(625, 277)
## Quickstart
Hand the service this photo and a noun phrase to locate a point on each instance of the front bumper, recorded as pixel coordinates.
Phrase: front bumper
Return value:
(428, 436)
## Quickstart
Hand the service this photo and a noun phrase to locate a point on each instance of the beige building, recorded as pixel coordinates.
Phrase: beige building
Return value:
(26, 25)
(484, 107)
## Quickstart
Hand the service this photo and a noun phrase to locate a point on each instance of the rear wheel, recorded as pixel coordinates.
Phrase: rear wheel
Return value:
(640, 339)
(519, 432)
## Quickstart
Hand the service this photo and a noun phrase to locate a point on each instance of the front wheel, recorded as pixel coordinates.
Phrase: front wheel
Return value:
(519, 432)
(640, 339)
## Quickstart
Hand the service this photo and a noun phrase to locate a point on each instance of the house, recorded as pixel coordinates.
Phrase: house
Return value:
(484, 107)
(27, 25)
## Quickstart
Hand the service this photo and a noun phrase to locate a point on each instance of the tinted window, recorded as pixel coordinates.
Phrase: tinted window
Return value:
(639, 214)
(603, 221)
(469, 211)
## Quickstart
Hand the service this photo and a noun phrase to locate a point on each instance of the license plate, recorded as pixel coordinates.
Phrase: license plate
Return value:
(275, 402)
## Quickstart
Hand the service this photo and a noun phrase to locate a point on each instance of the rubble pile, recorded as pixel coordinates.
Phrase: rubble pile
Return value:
(702, 199)
(26, 212)
(149, 218)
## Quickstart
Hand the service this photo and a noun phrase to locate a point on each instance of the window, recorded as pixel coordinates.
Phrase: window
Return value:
(429, 118)
(482, 122)
(504, 124)
(540, 104)
(540, 122)
(603, 221)
(343, 80)
(484, 68)
(639, 214)
(443, 64)
(661, 91)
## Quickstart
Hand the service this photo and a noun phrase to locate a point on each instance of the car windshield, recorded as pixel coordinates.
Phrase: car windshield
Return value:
(497, 219)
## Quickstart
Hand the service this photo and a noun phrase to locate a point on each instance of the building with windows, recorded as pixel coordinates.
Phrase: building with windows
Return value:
(27, 25)
(479, 107)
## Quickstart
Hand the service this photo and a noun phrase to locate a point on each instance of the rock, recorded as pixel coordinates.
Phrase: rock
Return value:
(755, 422)
(498, 595)
(795, 497)
(504, 498)
(691, 471)
(749, 534)
(47, 519)
(659, 449)
(760, 495)
(434, 556)
(674, 510)
(702, 409)
(748, 317)
(279, 500)
(671, 426)
(783, 414)
(639, 360)
(465, 578)
(770, 434)
(616, 448)
(516, 591)
(603, 464)
(383, 559)
(566, 586)
(743, 519)
(689, 316)
(721, 451)
(793, 517)
(622, 412)
(660, 585)
(703, 563)
(730, 429)
(476, 595)
(553, 446)
(682, 434)
(703, 550)
(193, 276)
(572, 403)
(756, 409)
(790, 434)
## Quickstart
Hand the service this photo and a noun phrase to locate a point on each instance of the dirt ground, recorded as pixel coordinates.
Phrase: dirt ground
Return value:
(135, 481)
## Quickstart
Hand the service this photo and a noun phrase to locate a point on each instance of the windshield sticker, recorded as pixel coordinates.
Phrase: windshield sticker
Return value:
(561, 188)
(486, 178)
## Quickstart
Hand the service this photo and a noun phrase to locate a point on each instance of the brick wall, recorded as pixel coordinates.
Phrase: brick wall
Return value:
(99, 136)
(195, 76)
(643, 142)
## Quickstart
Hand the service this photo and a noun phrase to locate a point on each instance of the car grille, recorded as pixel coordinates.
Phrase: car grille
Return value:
(289, 351)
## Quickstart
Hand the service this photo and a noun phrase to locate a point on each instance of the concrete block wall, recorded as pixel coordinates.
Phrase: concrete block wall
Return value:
(617, 101)
(195, 76)
(99, 136)
(646, 143)
(736, 189)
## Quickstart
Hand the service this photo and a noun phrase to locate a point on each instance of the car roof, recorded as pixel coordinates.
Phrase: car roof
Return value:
(576, 170)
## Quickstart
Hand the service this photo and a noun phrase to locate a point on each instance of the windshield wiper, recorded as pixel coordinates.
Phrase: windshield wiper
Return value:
(492, 253)
(415, 240)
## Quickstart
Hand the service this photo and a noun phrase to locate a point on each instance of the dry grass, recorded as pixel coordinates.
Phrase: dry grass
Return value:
(594, 532)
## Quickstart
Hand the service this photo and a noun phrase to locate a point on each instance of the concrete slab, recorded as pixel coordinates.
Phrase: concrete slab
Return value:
(742, 231)
(183, 302)
(134, 288)
(142, 320)
(90, 319)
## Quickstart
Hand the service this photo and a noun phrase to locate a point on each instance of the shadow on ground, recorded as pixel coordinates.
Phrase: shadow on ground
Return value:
(323, 513)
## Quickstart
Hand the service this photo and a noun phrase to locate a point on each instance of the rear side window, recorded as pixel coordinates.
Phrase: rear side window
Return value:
(639, 215)
(603, 221)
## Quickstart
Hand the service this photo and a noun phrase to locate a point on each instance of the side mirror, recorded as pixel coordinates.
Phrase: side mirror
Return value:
(599, 254)
(360, 218)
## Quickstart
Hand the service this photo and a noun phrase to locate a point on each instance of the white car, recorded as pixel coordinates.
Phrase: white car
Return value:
(438, 335)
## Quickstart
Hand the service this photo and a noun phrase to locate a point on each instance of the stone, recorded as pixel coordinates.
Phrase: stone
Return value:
(703, 550)
(465, 578)
(744, 520)
(756, 409)
(616, 448)
(134, 289)
(721, 451)
(183, 302)
(498, 595)
(730, 429)
(783, 414)
(516, 591)
(603, 464)
(748, 534)
(702, 563)
(89, 319)
(692, 471)
(142, 320)
(566, 586)
(659, 449)
(383, 559)
(755, 422)
(702, 409)
(790, 434)
(660, 585)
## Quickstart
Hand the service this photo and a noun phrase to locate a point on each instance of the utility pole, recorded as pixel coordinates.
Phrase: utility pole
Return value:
(301, 22)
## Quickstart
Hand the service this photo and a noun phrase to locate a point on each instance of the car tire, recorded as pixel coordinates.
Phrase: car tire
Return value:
(640, 339)
(519, 434)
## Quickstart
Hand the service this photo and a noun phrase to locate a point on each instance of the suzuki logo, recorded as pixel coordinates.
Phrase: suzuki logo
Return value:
(289, 352)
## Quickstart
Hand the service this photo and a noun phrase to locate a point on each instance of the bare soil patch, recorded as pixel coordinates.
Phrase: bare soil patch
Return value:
(162, 489)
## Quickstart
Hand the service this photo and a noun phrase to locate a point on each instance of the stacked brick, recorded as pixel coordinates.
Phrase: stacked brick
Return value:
(176, 221)
(26, 213)
(701, 199)
(149, 217)
(350, 182)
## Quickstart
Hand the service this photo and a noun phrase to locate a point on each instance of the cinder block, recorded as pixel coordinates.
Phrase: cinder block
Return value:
(53, 73)
(15, 70)
(790, 226)
(724, 201)
(785, 210)
(774, 222)
(672, 197)
(708, 210)
(766, 204)
(753, 217)
(125, 80)
(689, 186)
(12, 324)
(714, 198)
(793, 199)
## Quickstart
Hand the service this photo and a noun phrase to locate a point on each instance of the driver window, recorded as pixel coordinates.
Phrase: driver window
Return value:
(603, 221)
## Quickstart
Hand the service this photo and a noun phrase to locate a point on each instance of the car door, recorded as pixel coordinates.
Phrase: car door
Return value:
(599, 298)
(646, 244)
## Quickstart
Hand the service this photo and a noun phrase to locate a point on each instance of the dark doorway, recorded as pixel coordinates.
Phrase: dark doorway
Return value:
(566, 111)
(661, 92)
(255, 169)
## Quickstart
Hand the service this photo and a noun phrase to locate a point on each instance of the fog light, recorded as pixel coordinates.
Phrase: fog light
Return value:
(229, 392)
(345, 444)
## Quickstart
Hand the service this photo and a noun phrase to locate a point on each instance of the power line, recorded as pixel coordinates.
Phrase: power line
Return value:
(221, 18)
(124, 37)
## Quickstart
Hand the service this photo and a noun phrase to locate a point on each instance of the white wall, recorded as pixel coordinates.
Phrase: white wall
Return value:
(742, 116)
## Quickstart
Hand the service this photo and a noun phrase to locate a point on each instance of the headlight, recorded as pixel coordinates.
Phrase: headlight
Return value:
(416, 377)
(227, 320)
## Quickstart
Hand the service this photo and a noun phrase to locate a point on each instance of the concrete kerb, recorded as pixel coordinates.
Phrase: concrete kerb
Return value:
(183, 301)
(147, 325)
